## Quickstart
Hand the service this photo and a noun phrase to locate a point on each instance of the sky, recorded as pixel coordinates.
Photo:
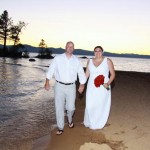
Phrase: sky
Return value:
(119, 26)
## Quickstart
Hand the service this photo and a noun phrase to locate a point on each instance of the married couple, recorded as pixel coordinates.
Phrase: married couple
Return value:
(99, 72)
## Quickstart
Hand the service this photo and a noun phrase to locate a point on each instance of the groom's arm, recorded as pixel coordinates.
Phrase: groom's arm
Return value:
(49, 74)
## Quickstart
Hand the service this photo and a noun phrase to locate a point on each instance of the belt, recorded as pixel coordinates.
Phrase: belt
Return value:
(64, 83)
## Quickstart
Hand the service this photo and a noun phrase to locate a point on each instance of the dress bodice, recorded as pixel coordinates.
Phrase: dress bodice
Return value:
(101, 69)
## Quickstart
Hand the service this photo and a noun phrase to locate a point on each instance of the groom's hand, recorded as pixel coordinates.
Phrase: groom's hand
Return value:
(81, 88)
(47, 85)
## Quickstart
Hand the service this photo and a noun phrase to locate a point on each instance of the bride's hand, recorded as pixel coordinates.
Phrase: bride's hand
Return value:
(106, 86)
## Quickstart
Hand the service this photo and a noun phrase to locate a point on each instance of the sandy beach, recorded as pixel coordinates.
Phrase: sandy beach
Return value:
(128, 126)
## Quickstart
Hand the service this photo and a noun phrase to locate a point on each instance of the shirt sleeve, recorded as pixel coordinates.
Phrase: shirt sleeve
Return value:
(81, 74)
(51, 69)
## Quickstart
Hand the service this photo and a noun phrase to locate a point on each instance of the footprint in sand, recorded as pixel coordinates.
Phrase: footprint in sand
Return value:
(94, 146)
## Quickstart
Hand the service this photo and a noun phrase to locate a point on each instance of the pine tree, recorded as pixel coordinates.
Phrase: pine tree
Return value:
(5, 26)
(44, 51)
(15, 31)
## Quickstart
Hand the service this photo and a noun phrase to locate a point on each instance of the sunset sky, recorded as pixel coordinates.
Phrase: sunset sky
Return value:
(119, 26)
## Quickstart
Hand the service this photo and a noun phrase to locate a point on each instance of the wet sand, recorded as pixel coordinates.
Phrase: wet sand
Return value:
(128, 126)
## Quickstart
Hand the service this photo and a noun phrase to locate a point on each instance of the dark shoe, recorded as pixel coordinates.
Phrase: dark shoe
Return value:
(59, 132)
(71, 125)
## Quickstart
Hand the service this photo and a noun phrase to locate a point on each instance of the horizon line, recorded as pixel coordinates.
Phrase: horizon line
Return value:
(85, 50)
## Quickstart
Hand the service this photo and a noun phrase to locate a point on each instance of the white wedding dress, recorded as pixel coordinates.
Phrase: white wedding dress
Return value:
(98, 99)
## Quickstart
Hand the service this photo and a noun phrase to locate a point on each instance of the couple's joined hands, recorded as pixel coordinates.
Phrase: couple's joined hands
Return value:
(81, 88)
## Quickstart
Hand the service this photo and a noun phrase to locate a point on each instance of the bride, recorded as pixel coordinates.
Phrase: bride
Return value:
(101, 73)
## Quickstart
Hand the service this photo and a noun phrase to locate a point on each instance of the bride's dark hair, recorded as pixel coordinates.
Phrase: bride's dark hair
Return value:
(98, 47)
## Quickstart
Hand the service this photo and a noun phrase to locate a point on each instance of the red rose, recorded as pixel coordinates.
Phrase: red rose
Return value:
(99, 80)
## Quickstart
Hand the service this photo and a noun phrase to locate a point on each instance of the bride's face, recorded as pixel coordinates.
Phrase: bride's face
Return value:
(98, 52)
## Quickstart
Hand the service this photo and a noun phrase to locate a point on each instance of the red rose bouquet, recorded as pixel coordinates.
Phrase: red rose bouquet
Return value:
(99, 80)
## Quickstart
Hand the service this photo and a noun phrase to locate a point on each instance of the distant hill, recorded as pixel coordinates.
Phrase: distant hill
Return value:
(82, 52)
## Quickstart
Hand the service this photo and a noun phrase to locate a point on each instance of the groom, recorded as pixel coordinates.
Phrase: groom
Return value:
(65, 68)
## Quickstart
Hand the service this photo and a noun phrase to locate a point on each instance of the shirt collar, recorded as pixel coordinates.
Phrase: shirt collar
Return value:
(72, 56)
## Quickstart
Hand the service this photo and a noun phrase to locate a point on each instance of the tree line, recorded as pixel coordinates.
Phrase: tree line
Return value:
(10, 31)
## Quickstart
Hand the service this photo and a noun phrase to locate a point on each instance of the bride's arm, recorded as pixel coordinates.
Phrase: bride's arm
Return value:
(111, 70)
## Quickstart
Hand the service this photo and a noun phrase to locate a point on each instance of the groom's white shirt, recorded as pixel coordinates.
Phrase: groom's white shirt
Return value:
(66, 70)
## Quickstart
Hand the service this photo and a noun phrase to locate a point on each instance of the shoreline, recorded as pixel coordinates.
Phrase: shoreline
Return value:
(128, 122)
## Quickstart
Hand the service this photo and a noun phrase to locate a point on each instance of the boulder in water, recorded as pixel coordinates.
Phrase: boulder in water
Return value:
(31, 59)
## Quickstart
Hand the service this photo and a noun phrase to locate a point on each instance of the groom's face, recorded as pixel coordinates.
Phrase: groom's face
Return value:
(69, 48)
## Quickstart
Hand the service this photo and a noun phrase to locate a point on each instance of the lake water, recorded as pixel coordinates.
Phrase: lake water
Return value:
(26, 109)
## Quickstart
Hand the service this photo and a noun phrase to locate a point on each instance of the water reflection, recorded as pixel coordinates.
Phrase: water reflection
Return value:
(26, 109)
